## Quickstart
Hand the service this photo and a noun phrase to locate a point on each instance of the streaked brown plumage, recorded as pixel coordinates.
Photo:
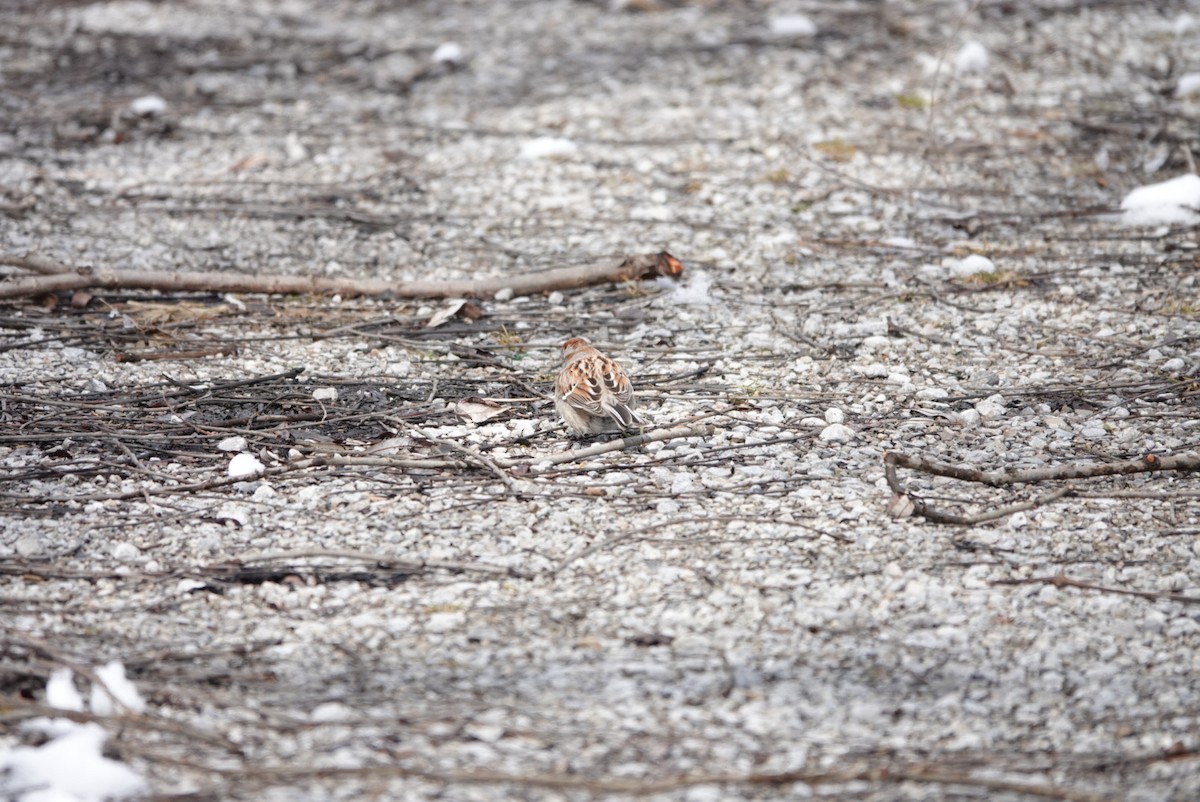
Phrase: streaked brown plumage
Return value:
(592, 393)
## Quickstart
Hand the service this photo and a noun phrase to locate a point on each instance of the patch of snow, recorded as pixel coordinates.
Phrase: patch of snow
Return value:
(1176, 201)
(116, 687)
(793, 26)
(1189, 85)
(69, 768)
(548, 147)
(972, 59)
(972, 265)
(694, 292)
(61, 692)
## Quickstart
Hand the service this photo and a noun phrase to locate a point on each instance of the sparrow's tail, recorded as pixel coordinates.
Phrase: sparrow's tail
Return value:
(625, 417)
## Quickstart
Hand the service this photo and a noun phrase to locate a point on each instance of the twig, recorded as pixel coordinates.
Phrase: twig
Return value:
(1070, 470)
(633, 441)
(363, 556)
(634, 787)
(905, 503)
(641, 266)
(1061, 580)
(625, 537)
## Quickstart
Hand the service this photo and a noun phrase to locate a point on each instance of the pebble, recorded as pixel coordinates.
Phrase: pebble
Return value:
(837, 433)
(703, 613)
(30, 545)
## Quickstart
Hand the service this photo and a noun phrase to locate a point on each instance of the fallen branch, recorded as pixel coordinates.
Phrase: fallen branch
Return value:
(905, 504)
(925, 774)
(54, 277)
(1061, 580)
(1069, 470)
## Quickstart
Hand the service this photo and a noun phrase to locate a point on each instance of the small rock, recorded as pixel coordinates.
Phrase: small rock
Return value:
(837, 433)
(233, 444)
(971, 59)
(991, 407)
(148, 106)
(445, 621)
(793, 26)
(973, 265)
(449, 53)
(30, 545)
(126, 552)
(244, 466)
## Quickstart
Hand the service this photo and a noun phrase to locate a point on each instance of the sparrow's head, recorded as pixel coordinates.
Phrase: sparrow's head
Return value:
(571, 346)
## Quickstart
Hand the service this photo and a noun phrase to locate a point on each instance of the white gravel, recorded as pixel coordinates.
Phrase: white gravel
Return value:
(863, 274)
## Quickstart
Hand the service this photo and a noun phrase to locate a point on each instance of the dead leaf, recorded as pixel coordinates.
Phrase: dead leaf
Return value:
(478, 410)
(251, 162)
(837, 149)
(446, 313)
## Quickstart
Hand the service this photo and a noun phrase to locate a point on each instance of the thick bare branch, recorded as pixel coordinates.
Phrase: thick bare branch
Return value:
(60, 278)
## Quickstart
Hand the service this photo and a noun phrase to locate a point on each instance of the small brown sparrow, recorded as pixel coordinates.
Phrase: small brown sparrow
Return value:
(592, 393)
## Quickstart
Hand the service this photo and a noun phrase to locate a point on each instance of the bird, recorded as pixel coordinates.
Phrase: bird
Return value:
(592, 393)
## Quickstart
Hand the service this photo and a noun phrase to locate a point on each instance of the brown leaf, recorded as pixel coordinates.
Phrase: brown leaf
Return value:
(478, 410)
(447, 312)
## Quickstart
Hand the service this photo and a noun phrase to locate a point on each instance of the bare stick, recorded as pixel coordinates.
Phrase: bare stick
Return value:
(1070, 470)
(905, 504)
(59, 278)
(621, 444)
(1061, 580)
(927, 774)
(368, 557)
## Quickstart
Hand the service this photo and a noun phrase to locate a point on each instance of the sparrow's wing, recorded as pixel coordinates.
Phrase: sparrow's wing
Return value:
(616, 398)
(580, 388)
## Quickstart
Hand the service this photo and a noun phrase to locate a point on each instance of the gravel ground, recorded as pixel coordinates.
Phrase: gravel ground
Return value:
(410, 604)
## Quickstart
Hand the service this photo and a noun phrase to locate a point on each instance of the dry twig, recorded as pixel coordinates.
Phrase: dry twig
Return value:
(905, 503)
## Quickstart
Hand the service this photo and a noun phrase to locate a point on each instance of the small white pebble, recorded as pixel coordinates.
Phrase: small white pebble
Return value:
(449, 53)
(244, 466)
(837, 433)
(264, 491)
(973, 265)
(834, 415)
(991, 407)
(548, 147)
(968, 418)
(126, 552)
(325, 394)
(791, 26)
(236, 443)
(972, 58)
(148, 106)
